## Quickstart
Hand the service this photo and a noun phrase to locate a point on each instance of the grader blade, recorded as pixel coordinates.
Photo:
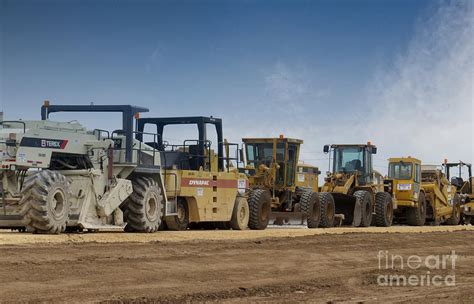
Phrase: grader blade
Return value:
(287, 218)
(349, 207)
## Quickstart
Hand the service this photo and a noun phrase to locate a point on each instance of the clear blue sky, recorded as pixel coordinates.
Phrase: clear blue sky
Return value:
(245, 61)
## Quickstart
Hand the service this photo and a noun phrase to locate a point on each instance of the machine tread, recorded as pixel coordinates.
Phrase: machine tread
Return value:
(309, 202)
(134, 208)
(326, 202)
(258, 199)
(382, 200)
(364, 197)
(34, 202)
(414, 216)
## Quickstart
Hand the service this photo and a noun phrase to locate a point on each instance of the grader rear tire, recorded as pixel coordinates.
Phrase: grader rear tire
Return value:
(45, 202)
(366, 207)
(383, 209)
(455, 218)
(328, 207)
(143, 209)
(310, 206)
(260, 202)
(417, 216)
(240, 214)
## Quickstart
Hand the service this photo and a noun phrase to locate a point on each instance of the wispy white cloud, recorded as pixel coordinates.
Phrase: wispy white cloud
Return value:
(155, 58)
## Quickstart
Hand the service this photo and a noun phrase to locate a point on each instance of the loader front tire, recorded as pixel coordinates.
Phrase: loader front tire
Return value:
(417, 216)
(260, 202)
(328, 207)
(310, 207)
(143, 209)
(383, 209)
(455, 218)
(366, 207)
(240, 214)
(45, 202)
(180, 221)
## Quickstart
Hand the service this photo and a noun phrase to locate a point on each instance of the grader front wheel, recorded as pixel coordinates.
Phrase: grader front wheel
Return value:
(260, 202)
(45, 202)
(310, 207)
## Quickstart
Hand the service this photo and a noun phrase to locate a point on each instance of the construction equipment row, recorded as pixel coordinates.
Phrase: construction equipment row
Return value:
(59, 176)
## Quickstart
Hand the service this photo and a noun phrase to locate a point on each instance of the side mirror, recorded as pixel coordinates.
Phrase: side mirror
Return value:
(326, 149)
(374, 150)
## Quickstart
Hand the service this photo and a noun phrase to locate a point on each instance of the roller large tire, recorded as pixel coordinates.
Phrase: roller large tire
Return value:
(260, 202)
(180, 221)
(310, 207)
(143, 209)
(366, 207)
(417, 216)
(240, 214)
(455, 218)
(45, 202)
(328, 208)
(383, 209)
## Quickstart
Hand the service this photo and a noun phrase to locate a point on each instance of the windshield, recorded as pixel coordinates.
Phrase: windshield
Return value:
(349, 159)
(400, 170)
(263, 153)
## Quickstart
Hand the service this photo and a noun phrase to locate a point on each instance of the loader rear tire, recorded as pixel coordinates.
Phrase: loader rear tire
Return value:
(143, 209)
(455, 218)
(417, 216)
(240, 214)
(310, 207)
(328, 207)
(180, 221)
(260, 202)
(383, 209)
(366, 207)
(45, 202)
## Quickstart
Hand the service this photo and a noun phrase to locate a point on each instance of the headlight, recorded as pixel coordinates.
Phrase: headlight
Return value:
(403, 187)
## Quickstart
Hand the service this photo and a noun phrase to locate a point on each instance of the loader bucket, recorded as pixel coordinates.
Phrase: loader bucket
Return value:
(349, 207)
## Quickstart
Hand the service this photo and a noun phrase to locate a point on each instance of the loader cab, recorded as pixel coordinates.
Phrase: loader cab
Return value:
(189, 154)
(351, 159)
(454, 173)
(283, 152)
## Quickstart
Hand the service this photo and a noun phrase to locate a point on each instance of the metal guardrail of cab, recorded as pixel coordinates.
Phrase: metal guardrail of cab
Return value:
(140, 146)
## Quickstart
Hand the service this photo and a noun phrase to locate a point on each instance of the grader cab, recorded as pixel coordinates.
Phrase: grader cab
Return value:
(281, 188)
(354, 189)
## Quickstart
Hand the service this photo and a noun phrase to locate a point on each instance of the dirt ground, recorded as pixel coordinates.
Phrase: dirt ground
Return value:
(271, 266)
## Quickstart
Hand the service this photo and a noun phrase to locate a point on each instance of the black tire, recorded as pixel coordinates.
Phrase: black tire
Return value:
(366, 207)
(309, 202)
(143, 209)
(180, 221)
(260, 202)
(240, 214)
(45, 202)
(383, 209)
(455, 218)
(327, 207)
(417, 216)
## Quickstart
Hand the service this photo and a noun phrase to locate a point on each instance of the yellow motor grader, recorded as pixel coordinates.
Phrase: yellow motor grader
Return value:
(354, 189)
(280, 187)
